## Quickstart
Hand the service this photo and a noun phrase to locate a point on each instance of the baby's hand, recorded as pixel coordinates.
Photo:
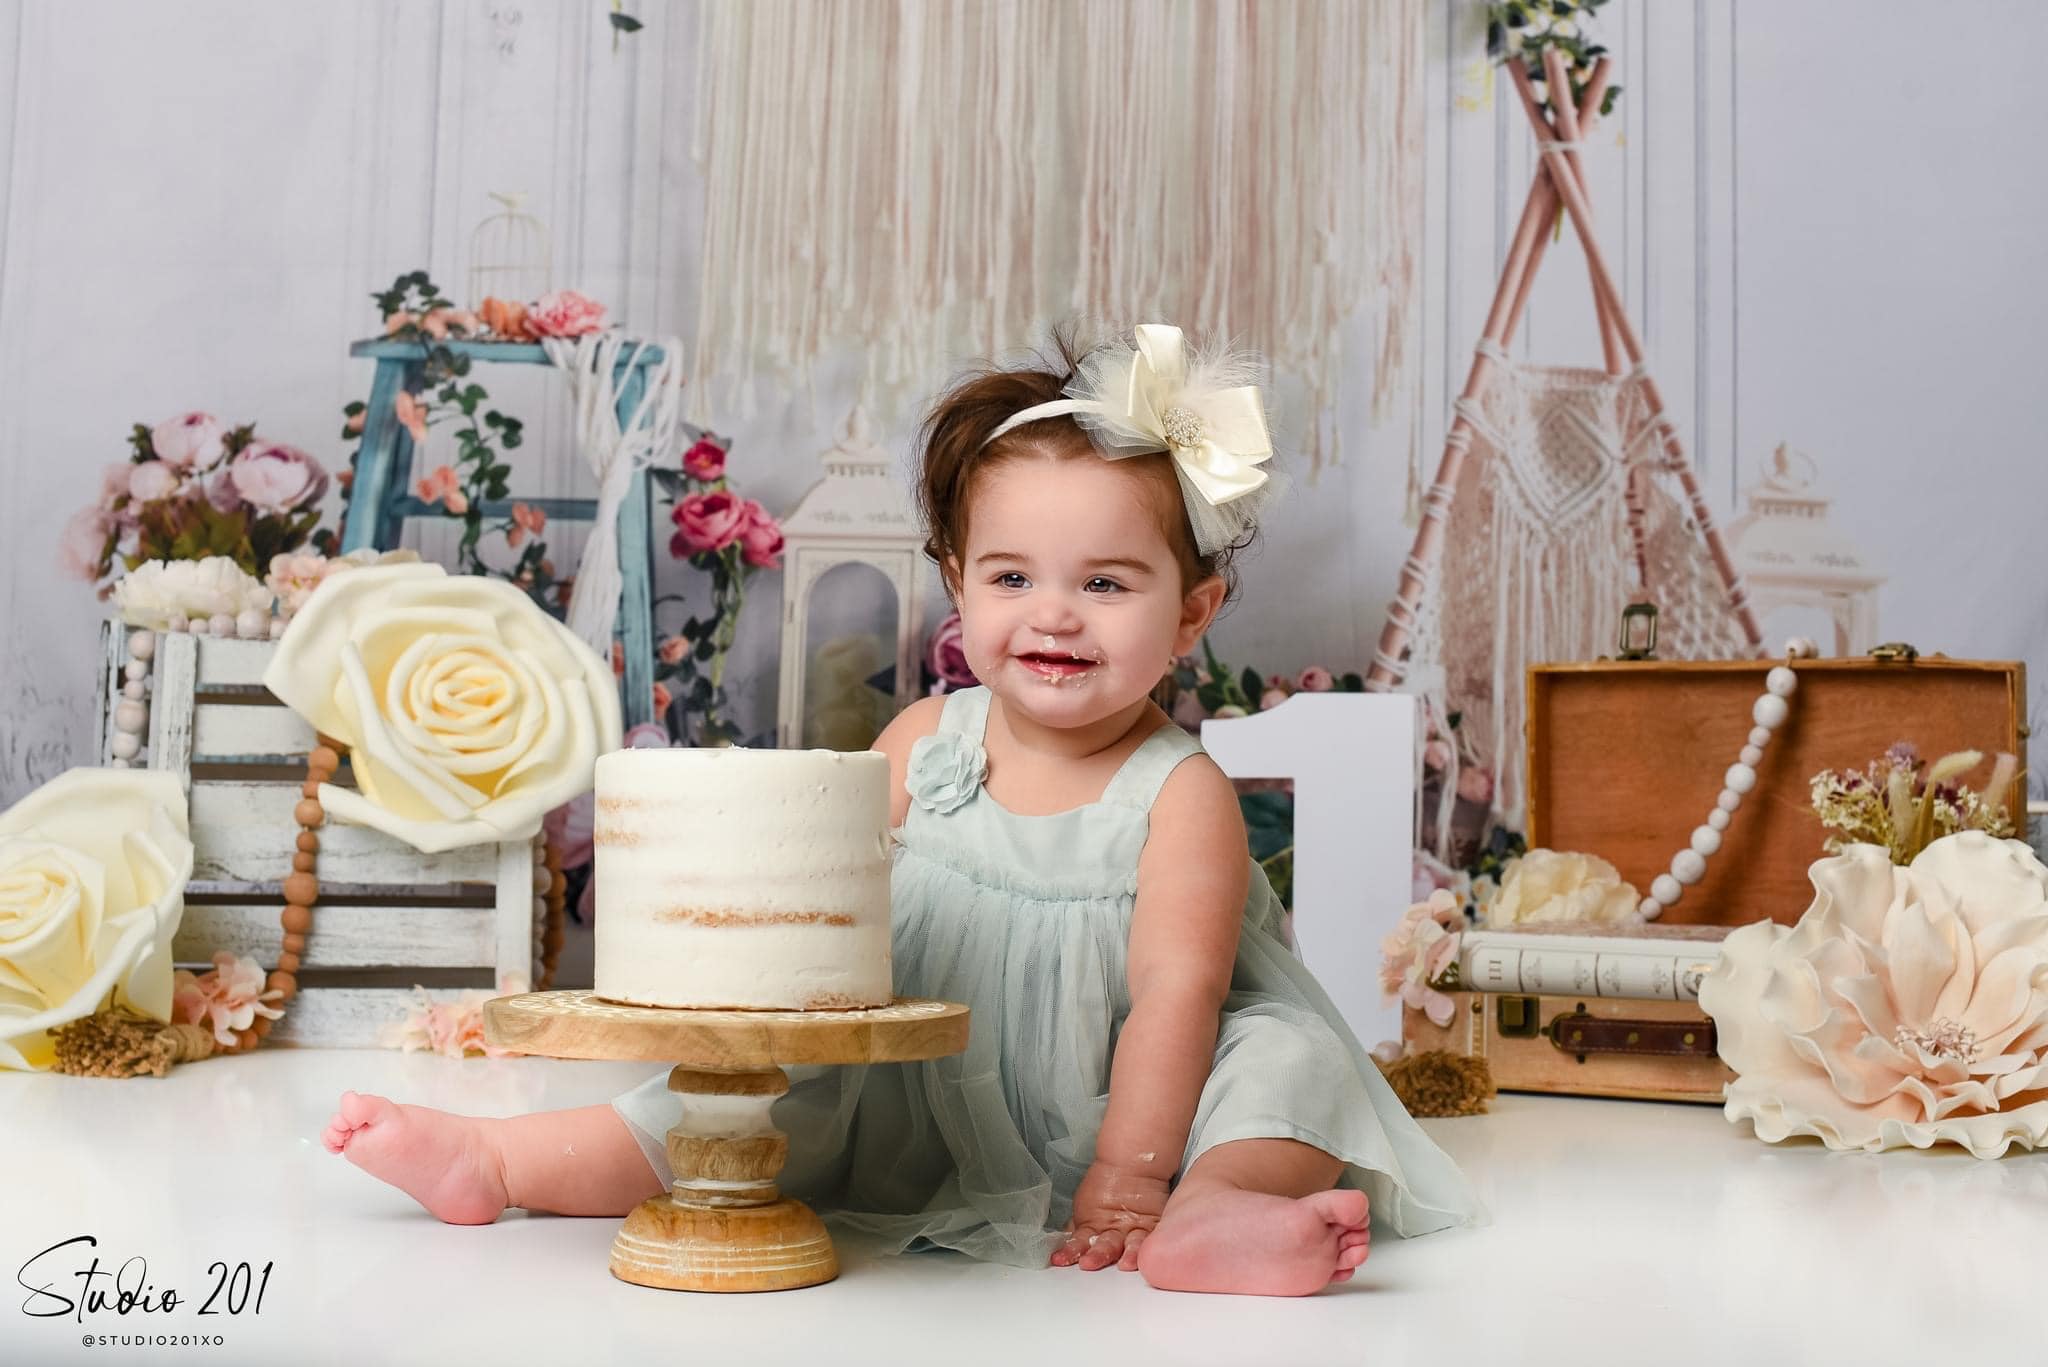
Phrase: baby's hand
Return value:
(1113, 1212)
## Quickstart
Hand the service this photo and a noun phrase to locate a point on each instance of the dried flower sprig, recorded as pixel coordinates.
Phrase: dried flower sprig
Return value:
(1893, 803)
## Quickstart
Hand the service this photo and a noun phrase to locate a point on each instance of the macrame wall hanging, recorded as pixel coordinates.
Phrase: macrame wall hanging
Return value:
(1563, 495)
(916, 182)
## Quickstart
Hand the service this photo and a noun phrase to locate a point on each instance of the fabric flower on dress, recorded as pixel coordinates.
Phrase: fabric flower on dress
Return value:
(1909, 1005)
(946, 769)
(1417, 950)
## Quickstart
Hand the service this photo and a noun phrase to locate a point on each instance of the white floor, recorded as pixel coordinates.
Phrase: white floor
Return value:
(1622, 1232)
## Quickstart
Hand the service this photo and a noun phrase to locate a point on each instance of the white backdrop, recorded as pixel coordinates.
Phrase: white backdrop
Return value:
(1824, 241)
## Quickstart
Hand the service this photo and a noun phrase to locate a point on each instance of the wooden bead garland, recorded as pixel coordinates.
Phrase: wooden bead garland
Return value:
(1769, 712)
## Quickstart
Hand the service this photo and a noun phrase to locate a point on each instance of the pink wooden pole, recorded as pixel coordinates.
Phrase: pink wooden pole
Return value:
(1603, 283)
(1510, 295)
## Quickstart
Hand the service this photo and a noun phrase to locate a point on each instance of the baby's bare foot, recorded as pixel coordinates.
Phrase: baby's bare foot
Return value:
(445, 1162)
(1253, 1244)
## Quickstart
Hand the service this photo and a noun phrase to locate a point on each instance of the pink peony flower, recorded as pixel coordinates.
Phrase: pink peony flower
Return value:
(565, 313)
(945, 654)
(707, 522)
(672, 650)
(114, 481)
(526, 520)
(82, 547)
(227, 997)
(152, 480)
(222, 494)
(443, 488)
(274, 478)
(705, 460)
(190, 441)
(1316, 679)
(761, 538)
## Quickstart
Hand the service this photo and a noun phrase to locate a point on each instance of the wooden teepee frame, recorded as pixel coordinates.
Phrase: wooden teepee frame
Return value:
(1560, 180)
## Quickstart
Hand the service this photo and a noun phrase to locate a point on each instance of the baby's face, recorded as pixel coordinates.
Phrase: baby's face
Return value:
(1071, 604)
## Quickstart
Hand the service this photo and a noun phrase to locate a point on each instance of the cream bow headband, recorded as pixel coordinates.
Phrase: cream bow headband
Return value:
(1147, 398)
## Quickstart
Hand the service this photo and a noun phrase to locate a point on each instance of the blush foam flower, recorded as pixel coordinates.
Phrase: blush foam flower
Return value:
(1417, 950)
(1909, 1005)
(226, 998)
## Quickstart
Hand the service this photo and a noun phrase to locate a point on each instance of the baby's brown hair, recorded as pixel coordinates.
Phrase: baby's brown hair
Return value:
(954, 452)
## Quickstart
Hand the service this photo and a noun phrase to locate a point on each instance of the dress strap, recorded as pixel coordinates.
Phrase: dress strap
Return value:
(1138, 782)
(966, 713)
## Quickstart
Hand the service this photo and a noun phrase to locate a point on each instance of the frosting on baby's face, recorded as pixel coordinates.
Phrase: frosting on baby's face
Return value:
(1071, 601)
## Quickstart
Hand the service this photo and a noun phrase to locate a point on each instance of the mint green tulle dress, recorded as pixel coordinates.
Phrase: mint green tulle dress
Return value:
(1025, 919)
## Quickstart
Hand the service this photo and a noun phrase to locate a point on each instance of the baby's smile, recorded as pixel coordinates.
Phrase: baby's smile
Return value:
(1058, 666)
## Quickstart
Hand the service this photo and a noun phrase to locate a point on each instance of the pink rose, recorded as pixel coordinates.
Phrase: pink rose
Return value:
(274, 478)
(1436, 756)
(190, 441)
(672, 650)
(82, 548)
(946, 656)
(565, 313)
(114, 481)
(1272, 698)
(1316, 679)
(704, 461)
(707, 522)
(151, 480)
(761, 538)
(1475, 785)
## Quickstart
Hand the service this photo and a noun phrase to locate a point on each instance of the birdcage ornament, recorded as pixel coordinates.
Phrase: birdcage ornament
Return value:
(510, 256)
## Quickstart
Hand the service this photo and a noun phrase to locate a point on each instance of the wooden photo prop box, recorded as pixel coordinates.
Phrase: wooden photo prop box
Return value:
(388, 919)
(1626, 758)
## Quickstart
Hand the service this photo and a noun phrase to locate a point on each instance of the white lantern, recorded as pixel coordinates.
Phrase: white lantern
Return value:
(1794, 561)
(510, 257)
(859, 513)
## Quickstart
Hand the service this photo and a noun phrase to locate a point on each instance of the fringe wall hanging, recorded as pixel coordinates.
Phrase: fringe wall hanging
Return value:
(928, 180)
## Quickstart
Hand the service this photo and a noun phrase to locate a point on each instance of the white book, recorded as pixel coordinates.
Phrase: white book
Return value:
(1548, 963)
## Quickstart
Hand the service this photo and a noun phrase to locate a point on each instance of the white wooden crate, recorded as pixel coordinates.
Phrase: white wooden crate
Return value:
(389, 918)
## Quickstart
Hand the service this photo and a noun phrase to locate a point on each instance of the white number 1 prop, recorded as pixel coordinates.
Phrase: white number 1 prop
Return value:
(1352, 759)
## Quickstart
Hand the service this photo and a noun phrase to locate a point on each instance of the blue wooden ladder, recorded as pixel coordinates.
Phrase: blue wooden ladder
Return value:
(380, 500)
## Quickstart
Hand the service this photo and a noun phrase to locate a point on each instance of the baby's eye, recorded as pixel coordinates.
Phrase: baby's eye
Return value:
(1012, 580)
(1101, 585)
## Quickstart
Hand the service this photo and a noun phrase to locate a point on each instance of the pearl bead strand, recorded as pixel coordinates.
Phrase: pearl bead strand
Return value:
(1769, 712)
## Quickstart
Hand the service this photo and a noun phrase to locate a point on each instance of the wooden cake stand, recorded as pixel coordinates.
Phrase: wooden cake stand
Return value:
(724, 1226)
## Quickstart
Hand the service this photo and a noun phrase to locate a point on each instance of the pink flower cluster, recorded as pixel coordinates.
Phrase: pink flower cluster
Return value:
(192, 479)
(1417, 951)
(452, 1029)
(226, 998)
(706, 523)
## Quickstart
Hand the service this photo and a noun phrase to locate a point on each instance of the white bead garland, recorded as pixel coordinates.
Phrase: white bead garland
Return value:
(131, 713)
(1770, 710)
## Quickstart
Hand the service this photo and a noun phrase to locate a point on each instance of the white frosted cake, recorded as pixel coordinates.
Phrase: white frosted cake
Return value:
(743, 878)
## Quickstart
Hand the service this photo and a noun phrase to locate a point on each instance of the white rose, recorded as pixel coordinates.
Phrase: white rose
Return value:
(156, 591)
(468, 711)
(1549, 886)
(93, 867)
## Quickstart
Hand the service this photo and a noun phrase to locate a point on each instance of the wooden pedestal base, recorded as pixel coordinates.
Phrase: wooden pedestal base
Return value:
(724, 1225)
(776, 1247)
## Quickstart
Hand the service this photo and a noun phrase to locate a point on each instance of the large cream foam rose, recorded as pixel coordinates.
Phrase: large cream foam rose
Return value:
(1908, 1005)
(93, 867)
(468, 712)
(1548, 886)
